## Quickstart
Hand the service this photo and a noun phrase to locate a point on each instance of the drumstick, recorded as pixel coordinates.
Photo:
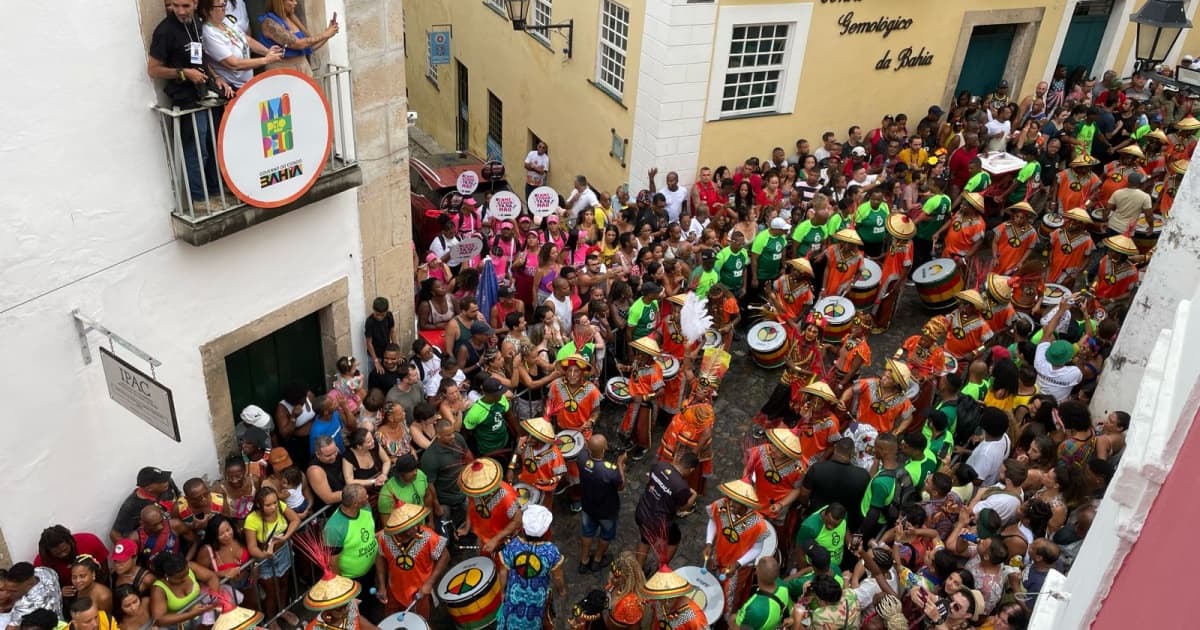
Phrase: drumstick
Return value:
(416, 598)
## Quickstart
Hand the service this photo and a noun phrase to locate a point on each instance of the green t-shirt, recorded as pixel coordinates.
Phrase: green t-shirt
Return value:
(938, 446)
(918, 470)
(833, 540)
(770, 253)
(763, 611)
(796, 585)
(643, 317)
(586, 351)
(394, 492)
(1085, 134)
(353, 542)
(871, 223)
(488, 423)
(879, 493)
(937, 208)
(704, 281)
(731, 267)
(978, 182)
(951, 411)
(1031, 170)
(974, 390)
(808, 236)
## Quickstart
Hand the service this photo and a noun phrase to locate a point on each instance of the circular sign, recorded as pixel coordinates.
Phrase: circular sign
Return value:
(492, 171)
(467, 182)
(543, 201)
(465, 250)
(505, 206)
(452, 201)
(274, 138)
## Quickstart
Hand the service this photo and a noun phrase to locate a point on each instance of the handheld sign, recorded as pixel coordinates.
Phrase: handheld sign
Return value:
(467, 182)
(453, 201)
(465, 250)
(543, 201)
(492, 171)
(505, 206)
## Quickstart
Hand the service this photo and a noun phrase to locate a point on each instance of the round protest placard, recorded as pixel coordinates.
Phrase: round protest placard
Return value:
(505, 206)
(465, 250)
(467, 182)
(543, 201)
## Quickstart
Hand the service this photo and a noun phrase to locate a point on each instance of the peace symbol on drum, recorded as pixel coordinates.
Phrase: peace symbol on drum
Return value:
(767, 333)
(731, 534)
(834, 309)
(566, 442)
(621, 389)
(465, 581)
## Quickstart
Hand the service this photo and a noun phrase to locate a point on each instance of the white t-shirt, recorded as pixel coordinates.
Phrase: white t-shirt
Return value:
(675, 199)
(868, 588)
(441, 245)
(237, 9)
(821, 153)
(1005, 505)
(225, 41)
(534, 178)
(987, 458)
(562, 309)
(1055, 381)
(695, 229)
(432, 383)
(428, 370)
(993, 127)
(579, 202)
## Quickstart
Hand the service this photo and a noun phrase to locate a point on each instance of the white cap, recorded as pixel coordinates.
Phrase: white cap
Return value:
(858, 151)
(1187, 59)
(536, 520)
(254, 416)
(779, 223)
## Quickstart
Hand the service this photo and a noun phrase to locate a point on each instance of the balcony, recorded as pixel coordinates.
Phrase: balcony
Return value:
(221, 213)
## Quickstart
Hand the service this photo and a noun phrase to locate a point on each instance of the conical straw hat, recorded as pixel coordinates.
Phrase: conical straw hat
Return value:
(787, 441)
(480, 478)
(334, 592)
(741, 491)
(1121, 244)
(238, 619)
(405, 516)
(665, 584)
(540, 429)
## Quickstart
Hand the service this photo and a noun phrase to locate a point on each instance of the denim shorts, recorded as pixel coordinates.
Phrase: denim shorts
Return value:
(277, 565)
(606, 527)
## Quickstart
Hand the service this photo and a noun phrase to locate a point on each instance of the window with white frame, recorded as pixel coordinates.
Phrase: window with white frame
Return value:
(539, 14)
(431, 72)
(497, 5)
(614, 42)
(755, 68)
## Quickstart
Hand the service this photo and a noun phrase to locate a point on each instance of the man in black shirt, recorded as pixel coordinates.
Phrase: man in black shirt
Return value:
(177, 58)
(380, 330)
(600, 482)
(385, 380)
(837, 480)
(667, 493)
(153, 486)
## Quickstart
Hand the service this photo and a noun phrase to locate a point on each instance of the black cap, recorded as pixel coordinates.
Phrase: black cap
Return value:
(151, 475)
(253, 435)
(708, 254)
(492, 387)
(818, 556)
(480, 328)
(650, 288)
(504, 291)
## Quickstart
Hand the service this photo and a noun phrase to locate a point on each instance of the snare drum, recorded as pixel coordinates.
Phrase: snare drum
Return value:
(770, 546)
(669, 365)
(404, 621)
(914, 389)
(951, 366)
(866, 288)
(838, 312)
(708, 594)
(1096, 228)
(570, 443)
(712, 339)
(938, 281)
(527, 495)
(768, 344)
(471, 593)
(1145, 236)
(1050, 221)
(1054, 294)
(617, 390)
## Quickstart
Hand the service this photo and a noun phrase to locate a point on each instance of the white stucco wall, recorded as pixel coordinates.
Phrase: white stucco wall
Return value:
(85, 198)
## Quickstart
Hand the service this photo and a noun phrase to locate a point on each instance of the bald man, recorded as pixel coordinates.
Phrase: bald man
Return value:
(560, 301)
(601, 482)
(156, 533)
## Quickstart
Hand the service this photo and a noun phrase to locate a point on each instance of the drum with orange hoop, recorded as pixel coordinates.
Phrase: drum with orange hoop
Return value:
(938, 281)
(838, 313)
(1050, 221)
(768, 344)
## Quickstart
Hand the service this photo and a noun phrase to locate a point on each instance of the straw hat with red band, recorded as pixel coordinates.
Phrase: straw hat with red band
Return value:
(998, 288)
(404, 517)
(1023, 207)
(972, 297)
(647, 345)
(900, 226)
(540, 429)
(237, 618)
(741, 491)
(1180, 166)
(848, 236)
(1078, 214)
(1132, 150)
(802, 265)
(1121, 244)
(665, 584)
(975, 200)
(787, 441)
(575, 360)
(1188, 123)
(899, 372)
(333, 591)
(480, 478)
(821, 390)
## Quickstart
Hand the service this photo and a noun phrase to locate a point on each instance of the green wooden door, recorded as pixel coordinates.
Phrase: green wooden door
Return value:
(1082, 42)
(987, 54)
(258, 372)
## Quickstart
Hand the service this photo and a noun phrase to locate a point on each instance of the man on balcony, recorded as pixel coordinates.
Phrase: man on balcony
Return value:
(177, 57)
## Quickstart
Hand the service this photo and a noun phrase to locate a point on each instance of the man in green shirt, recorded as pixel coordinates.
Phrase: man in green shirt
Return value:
(490, 419)
(938, 439)
(350, 535)
(809, 234)
(921, 462)
(980, 179)
(731, 264)
(935, 211)
(826, 527)
(770, 602)
(882, 489)
(406, 484)
(948, 388)
(643, 313)
(766, 255)
(1085, 132)
(704, 276)
(870, 221)
(1031, 172)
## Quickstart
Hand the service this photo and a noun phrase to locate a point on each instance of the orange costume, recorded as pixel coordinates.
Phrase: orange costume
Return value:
(541, 465)
(689, 616)
(1075, 191)
(490, 514)
(775, 476)
(644, 381)
(962, 236)
(673, 341)
(841, 270)
(409, 565)
(1069, 255)
(1170, 187)
(1027, 289)
(998, 316)
(817, 434)
(852, 347)
(1114, 281)
(691, 430)
(897, 260)
(966, 334)
(924, 362)
(573, 408)
(735, 541)
(1115, 175)
(880, 411)
(1180, 148)
(1012, 245)
(628, 611)
(794, 296)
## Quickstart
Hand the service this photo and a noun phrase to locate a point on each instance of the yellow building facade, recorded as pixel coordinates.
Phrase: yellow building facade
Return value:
(680, 84)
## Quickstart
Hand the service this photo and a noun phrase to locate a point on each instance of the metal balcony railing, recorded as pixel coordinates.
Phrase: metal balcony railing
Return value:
(183, 129)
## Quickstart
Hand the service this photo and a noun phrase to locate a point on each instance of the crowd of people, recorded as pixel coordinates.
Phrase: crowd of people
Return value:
(937, 494)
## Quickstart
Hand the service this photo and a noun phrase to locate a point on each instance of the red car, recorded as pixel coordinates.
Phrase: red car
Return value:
(434, 178)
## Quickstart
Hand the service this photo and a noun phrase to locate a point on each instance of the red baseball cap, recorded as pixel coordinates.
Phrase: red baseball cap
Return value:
(125, 549)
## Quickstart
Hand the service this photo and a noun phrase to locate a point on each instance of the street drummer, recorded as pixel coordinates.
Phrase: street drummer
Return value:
(897, 263)
(574, 404)
(926, 361)
(411, 560)
(335, 600)
(843, 260)
(725, 312)
(997, 308)
(1117, 174)
(1175, 172)
(822, 418)
(1117, 277)
(537, 461)
(1071, 248)
(882, 402)
(964, 234)
(676, 346)
(1013, 240)
(791, 295)
(853, 354)
(804, 363)
(1076, 186)
(734, 539)
(967, 330)
(493, 513)
(777, 469)
(691, 431)
(1182, 143)
(671, 604)
(645, 384)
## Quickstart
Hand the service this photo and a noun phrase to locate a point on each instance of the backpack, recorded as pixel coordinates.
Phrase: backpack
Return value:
(905, 493)
(967, 424)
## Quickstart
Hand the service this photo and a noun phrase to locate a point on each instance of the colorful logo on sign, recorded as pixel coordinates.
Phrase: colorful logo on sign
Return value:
(276, 117)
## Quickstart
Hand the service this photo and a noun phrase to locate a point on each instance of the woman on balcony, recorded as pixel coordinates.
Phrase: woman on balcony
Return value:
(228, 49)
(282, 27)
